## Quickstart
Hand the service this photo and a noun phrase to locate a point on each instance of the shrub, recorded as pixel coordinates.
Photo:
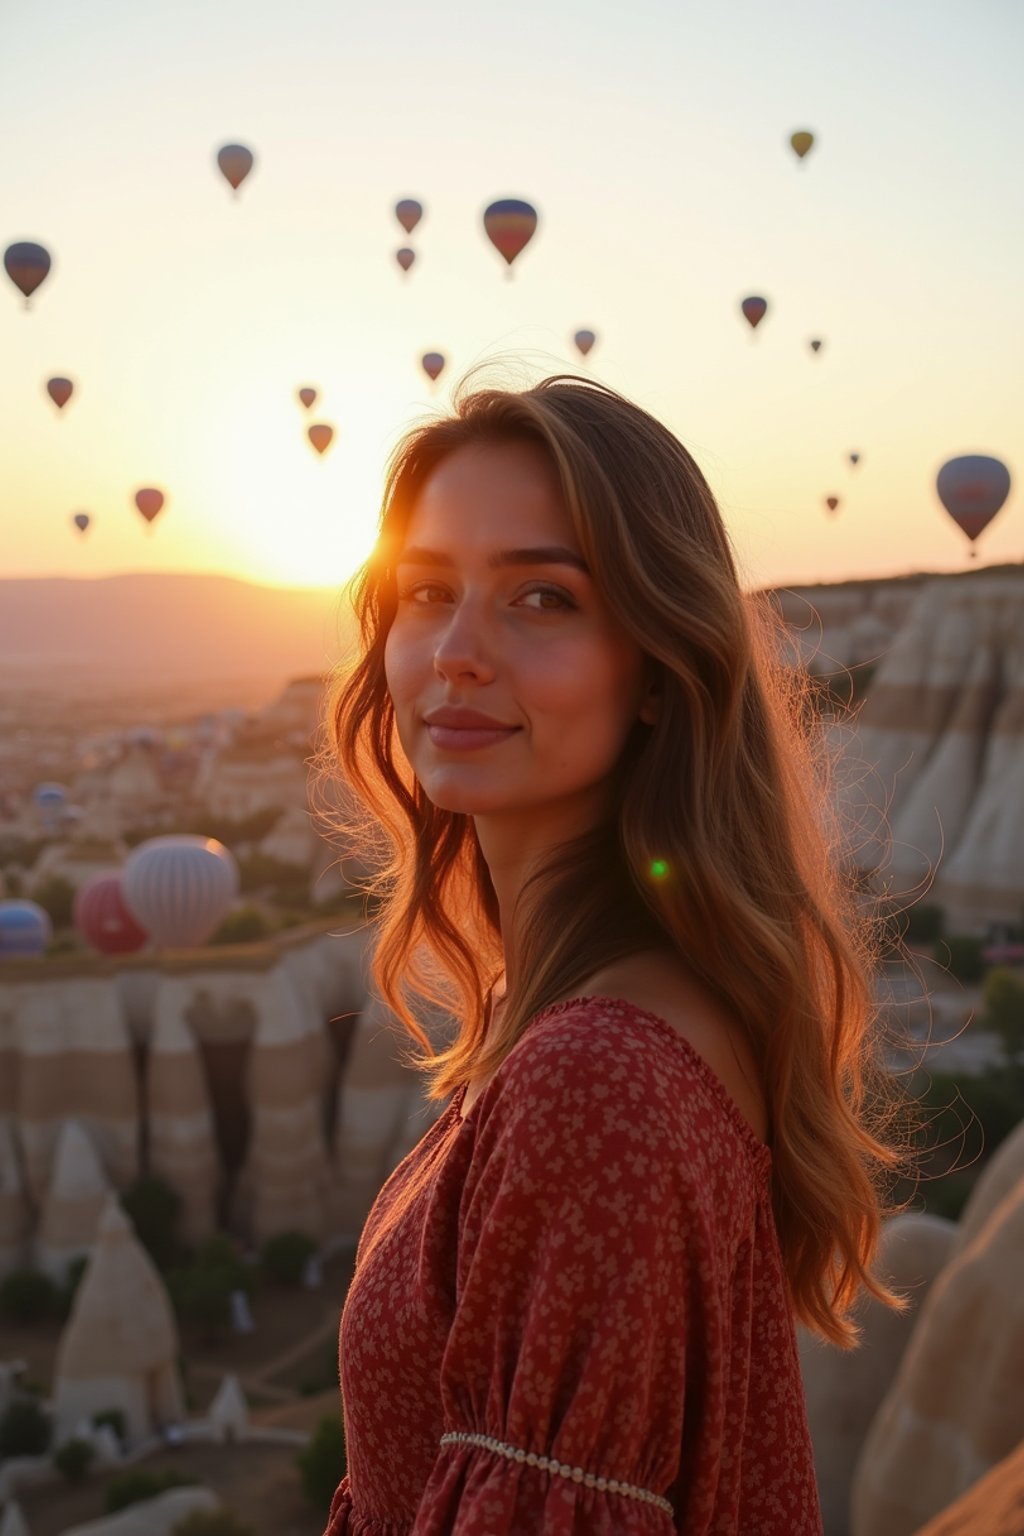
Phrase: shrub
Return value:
(323, 1462)
(24, 1429)
(212, 1522)
(74, 1459)
(963, 956)
(206, 1299)
(924, 923)
(1004, 1009)
(285, 1256)
(241, 927)
(135, 1486)
(154, 1208)
(27, 1295)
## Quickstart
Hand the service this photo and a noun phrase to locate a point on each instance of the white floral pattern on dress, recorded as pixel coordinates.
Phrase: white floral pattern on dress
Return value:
(586, 1270)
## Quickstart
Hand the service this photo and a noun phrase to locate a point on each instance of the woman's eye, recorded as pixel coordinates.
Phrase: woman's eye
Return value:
(561, 597)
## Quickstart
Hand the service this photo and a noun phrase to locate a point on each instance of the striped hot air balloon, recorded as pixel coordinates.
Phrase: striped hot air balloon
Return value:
(972, 488)
(178, 888)
(103, 919)
(510, 225)
(25, 929)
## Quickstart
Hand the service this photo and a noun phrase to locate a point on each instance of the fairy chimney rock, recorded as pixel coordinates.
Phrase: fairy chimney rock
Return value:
(74, 1202)
(120, 1346)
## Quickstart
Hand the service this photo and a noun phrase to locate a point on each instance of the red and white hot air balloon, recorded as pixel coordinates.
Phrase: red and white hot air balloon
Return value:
(103, 919)
(179, 887)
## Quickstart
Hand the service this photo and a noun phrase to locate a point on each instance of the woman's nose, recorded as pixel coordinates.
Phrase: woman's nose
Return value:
(464, 647)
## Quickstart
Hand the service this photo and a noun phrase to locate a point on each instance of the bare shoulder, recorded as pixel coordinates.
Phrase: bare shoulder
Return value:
(661, 984)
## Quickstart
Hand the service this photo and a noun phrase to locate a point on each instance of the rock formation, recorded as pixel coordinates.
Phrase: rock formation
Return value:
(150, 1517)
(993, 1507)
(75, 1060)
(78, 1194)
(182, 1142)
(941, 739)
(229, 1411)
(119, 1348)
(845, 1389)
(286, 1175)
(956, 1407)
(16, 1219)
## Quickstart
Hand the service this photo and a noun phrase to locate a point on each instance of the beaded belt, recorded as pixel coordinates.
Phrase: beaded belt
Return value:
(548, 1464)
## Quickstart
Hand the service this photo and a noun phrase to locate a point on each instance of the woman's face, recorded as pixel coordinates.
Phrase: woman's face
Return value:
(524, 639)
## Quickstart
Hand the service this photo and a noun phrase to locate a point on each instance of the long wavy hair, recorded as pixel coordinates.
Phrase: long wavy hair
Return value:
(726, 796)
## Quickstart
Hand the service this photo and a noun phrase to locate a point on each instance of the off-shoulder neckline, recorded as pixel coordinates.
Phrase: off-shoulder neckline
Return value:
(760, 1151)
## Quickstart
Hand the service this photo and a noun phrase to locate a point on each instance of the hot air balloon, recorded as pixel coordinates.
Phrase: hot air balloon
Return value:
(408, 212)
(25, 929)
(972, 489)
(81, 521)
(49, 800)
(235, 162)
(754, 310)
(584, 341)
(510, 224)
(433, 362)
(27, 265)
(59, 391)
(801, 142)
(832, 502)
(405, 257)
(815, 345)
(320, 436)
(149, 502)
(307, 396)
(854, 458)
(103, 920)
(178, 888)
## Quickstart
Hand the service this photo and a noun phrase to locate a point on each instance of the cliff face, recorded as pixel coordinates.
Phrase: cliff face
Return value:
(933, 773)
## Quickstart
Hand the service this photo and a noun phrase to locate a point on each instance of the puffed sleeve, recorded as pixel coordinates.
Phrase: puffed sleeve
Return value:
(583, 1244)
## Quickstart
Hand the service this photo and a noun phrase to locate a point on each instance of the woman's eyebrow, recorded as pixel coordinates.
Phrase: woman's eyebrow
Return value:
(548, 554)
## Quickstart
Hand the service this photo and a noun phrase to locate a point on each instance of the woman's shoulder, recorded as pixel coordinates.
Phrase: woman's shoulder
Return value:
(657, 993)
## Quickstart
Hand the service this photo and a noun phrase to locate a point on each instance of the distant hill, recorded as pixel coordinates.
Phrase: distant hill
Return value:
(119, 633)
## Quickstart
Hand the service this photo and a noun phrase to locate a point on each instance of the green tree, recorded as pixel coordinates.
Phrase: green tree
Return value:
(26, 1295)
(74, 1459)
(241, 927)
(284, 1257)
(154, 1208)
(56, 896)
(963, 955)
(135, 1486)
(1004, 1009)
(323, 1462)
(24, 1429)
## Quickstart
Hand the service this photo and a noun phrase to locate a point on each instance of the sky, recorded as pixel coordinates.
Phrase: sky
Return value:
(653, 139)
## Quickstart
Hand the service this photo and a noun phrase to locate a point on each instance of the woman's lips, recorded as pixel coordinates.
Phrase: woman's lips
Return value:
(469, 738)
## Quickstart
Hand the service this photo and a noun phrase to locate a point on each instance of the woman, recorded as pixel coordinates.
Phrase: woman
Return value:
(572, 1308)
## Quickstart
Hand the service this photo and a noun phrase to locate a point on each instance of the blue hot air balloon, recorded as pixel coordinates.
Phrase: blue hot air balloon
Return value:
(178, 887)
(49, 800)
(25, 929)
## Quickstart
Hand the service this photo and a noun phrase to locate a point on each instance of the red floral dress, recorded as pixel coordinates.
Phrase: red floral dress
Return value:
(568, 1315)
